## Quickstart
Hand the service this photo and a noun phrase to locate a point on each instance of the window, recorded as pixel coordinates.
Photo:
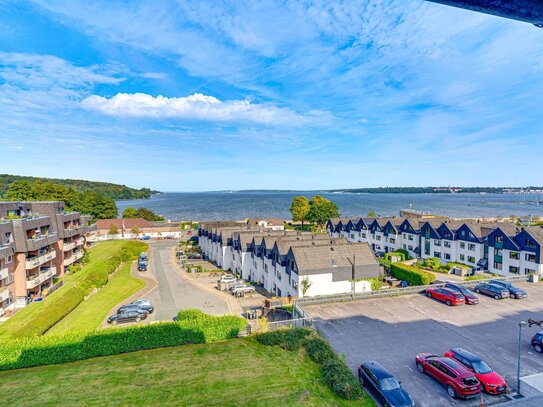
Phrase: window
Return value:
(352, 235)
(514, 255)
(498, 239)
(530, 257)
(462, 245)
(498, 266)
(437, 254)
(9, 278)
(377, 237)
(497, 252)
(471, 247)
(462, 257)
(405, 235)
(410, 237)
(404, 246)
(392, 240)
(513, 269)
(529, 243)
(410, 247)
(529, 271)
(446, 256)
(364, 235)
(463, 233)
(437, 242)
(446, 243)
(471, 259)
(9, 259)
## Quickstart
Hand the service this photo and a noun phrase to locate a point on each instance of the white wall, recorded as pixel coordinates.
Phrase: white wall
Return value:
(322, 284)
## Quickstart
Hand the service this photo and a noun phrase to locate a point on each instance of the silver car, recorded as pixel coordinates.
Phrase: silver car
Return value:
(142, 301)
(227, 278)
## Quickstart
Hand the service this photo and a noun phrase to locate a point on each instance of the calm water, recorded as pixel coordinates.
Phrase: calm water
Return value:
(239, 205)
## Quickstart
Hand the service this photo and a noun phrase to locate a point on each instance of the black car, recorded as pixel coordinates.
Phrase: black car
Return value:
(127, 316)
(514, 291)
(384, 385)
(537, 342)
(142, 266)
(468, 294)
(492, 290)
(136, 307)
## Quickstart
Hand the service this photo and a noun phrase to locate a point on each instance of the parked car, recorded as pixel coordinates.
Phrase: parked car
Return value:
(127, 316)
(145, 237)
(514, 291)
(194, 256)
(492, 290)
(458, 380)
(143, 256)
(142, 266)
(189, 233)
(227, 278)
(537, 342)
(137, 307)
(243, 289)
(491, 382)
(446, 295)
(142, 301)
(470, 298)
(384, 385)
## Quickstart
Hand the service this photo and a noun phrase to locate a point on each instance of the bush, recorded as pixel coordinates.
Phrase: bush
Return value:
(340, 379)
(412, 275)
(272, 338)
(193, 327)
(375, 283)
(432, 262)
(397, 253)
(289, 339)
(404, 252)
(319, 350)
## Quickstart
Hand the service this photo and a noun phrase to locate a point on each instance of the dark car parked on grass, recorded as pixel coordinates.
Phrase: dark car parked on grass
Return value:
(136, 307)
(514, 291)
(127, 316)
(384, 385)
(492, 290)
(491, 382)
(449, 297)
(459, 380)
(471, 298)
(537, 342)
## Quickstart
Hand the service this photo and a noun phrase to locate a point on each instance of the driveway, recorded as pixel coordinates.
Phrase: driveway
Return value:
(393, 330)
(175, 293)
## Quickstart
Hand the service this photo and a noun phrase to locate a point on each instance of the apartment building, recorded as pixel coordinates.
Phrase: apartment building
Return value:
(38, 241)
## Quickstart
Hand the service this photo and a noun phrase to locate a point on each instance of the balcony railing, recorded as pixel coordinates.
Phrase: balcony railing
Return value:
(39, 260)
(4, 273)
(69, 246)
(4, 294)
(73, 258)
(35, 280)
(80, 241)
(40, 242)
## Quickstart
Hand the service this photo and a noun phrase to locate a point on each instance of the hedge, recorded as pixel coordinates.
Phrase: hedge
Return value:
(196, 327)
(335, 372)
(412, 275)
(401, 255)
(56, 307)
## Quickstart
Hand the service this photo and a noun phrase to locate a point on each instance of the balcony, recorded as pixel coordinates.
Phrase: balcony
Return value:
(39, 260)
(68, 246)
(4, 294)
(73, 258)
(40, 242)
(34, 281)
(80, 241)
(71, 232)
(4, 273)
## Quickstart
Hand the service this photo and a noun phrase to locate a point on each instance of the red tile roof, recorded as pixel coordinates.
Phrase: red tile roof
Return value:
(127, 223)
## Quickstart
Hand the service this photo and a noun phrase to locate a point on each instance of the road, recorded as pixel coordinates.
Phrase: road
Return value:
(175, 293)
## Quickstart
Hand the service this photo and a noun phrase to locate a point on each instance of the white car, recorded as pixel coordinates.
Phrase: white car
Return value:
(227, 278)
(142, 301)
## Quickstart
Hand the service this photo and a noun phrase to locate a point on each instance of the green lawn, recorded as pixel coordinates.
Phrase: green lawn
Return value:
(25, 316)
(89, 314)
(239, 372)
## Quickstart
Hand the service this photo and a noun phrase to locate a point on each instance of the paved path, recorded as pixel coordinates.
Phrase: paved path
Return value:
(175, 293)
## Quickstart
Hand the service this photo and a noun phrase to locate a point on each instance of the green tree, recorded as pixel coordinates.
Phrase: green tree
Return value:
(299, 209)
(321, 210)
(96, 205)
(148, 214)
(135, 231)
(113, 229)
(20, 191)
(305, 285)
(130, 213)
(372, 214)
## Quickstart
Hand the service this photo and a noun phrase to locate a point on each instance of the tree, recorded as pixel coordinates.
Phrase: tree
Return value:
(135, 230)
(113, 229)
(372, 214)
(305, 284)
(96, 205)
(143, 213)
(299, 209)
(130, 213)
(321, 210)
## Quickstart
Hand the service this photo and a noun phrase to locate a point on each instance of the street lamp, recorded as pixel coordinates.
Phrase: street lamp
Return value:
(520, 325)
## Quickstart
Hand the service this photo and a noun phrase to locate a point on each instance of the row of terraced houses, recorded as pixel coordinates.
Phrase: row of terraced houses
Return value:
(289, 263)
(38, 242)
(497, 247)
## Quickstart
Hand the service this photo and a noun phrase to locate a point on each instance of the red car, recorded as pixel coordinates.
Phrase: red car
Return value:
(459, 380)
(491, 381)
(446, 295)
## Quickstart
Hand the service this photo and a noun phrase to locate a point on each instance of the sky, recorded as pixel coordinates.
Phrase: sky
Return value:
(198, 96)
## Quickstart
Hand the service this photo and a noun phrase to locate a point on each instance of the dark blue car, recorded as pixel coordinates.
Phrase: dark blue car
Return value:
(514, 291)
(383, 385)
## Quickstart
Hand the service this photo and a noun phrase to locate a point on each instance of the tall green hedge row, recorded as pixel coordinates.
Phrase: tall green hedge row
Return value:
(54, 308)
(335, 372)
(46, 350)
(412, 275)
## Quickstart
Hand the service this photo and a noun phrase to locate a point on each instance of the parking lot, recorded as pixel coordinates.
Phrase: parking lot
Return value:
(393, 330)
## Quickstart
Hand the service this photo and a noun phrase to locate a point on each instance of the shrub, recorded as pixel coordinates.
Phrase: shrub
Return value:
(375, 283)
(412, 275)
(404, 252)
(46, 350)
(432, 262)
(295, 338)
(340, 379)
(397, 253)
(319, 350)
(272, 338)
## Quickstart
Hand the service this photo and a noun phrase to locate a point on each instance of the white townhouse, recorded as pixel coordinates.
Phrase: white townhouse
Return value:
(515, 251)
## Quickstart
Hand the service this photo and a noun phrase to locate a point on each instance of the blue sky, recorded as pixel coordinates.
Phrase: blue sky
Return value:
(192, 95)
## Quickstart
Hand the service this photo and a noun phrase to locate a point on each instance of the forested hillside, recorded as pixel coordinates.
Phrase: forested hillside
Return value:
(105, 189)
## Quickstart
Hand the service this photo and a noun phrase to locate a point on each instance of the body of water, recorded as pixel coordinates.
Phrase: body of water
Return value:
(240, 205)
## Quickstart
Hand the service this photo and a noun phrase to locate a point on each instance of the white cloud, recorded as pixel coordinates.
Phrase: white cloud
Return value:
(153, 75)
(196, 107)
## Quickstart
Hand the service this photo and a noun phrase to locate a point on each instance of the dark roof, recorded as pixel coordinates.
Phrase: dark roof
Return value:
(470, 357)
(377, 369)
(536, 232)
(128, 223)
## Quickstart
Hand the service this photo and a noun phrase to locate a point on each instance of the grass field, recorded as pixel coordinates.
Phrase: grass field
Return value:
(25, 316)
(89, 314)
(239, 372)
